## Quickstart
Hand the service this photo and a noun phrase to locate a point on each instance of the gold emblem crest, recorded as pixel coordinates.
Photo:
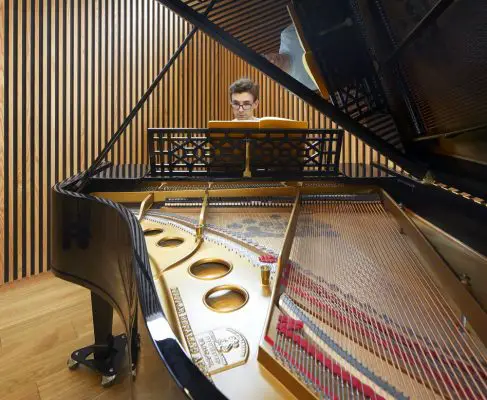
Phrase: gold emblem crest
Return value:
(222, 349)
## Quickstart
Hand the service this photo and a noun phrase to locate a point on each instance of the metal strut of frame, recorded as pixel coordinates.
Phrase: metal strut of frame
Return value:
(249, 153)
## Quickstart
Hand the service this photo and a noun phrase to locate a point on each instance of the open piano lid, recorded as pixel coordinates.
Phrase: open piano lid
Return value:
(407, 77)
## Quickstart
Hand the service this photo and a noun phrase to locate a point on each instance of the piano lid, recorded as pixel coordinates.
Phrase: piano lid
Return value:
(412, 73)
(256, 23)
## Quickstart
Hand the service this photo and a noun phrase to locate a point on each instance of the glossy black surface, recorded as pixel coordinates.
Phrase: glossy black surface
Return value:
(460, 217)
(99, 244)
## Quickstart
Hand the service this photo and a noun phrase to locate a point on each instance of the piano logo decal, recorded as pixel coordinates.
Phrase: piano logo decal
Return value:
(222, 349)
(212, 351)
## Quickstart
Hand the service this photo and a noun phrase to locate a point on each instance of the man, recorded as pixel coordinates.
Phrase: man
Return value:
(290, 57)
(244, 99)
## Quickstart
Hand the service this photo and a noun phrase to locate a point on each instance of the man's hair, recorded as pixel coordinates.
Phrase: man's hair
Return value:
(244, 85)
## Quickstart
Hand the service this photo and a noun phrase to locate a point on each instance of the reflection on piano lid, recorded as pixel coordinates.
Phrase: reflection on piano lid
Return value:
(412, 74)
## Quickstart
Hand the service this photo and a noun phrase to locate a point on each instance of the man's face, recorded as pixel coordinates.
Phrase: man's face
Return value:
(243, 105)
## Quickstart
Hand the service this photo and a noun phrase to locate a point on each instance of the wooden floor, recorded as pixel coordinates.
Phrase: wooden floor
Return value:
(42, 320)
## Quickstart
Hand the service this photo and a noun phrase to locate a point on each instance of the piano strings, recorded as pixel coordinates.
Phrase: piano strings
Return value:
(356, 277)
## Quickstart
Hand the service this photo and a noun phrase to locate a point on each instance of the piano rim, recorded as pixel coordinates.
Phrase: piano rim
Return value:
(160, 331)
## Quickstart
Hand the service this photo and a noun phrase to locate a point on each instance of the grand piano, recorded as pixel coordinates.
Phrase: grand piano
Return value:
(250, 263)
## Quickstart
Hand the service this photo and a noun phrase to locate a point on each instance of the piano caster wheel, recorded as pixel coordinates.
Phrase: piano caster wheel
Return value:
(107, 381)
(72, 364)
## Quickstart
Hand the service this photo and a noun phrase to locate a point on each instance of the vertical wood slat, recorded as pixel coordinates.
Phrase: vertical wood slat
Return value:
(8, 160)
(115, 65)
(43, 173)
(71, 70)
(3, 59)
(25, 211)
(32, 264)
(19, 139)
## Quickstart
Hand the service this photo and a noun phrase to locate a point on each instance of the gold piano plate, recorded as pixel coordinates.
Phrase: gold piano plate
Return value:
(222, 349)
(337, 299)
(153, 231)
(226, 298)
(170, 242)
(210, 268)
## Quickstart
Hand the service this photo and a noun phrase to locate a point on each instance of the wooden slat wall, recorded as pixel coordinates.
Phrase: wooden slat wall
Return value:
(70, 71)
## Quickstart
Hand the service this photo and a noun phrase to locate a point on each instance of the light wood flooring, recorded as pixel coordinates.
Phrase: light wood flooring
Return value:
(42, 320)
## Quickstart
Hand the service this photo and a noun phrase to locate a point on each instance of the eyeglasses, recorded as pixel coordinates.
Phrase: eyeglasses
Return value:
(245, 106)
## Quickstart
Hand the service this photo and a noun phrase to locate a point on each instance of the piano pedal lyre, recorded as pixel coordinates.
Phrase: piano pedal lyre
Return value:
(105, 359)
(107, 355)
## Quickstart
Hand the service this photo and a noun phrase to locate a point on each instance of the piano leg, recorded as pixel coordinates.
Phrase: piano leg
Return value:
(102, 325)
(107, 354)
